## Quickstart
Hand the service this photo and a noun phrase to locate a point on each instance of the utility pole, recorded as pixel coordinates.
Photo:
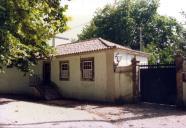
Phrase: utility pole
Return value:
(141, 39)
(58, 37)
(115, 1)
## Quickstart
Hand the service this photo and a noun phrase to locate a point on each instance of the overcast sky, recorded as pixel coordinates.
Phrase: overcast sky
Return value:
(82, 11)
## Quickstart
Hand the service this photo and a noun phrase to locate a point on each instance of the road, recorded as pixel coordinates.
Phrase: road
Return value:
(74, 114)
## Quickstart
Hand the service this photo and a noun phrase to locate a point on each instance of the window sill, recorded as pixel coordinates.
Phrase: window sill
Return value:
(64, 79)
(87, 80)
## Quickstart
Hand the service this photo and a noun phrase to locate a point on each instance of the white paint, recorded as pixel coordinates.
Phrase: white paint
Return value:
(142, 59)
(123, 85)
(13, 81)
(76, 87)
(126, 58)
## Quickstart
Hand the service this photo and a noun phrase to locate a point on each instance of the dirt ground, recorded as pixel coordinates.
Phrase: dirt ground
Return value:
(74, 114)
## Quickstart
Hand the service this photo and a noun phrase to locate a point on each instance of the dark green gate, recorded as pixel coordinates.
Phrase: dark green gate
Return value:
(158, 83)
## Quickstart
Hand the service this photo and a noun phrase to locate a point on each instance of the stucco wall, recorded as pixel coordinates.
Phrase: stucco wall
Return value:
(75, 87)
(123, 79)
(126, 58)
(184, 93)
(107, 86)
(142, 59)
(184, 83)
(111, 89)
(124, 84)
(13, 81)
(38, 69)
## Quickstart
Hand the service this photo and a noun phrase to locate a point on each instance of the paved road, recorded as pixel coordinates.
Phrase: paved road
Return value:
(71, 114)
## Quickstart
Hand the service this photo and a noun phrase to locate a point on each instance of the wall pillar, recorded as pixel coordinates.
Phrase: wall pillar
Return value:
(135, 79)
(110, 89)
(179, 79)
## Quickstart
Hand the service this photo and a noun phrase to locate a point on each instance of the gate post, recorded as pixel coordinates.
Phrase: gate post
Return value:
(135, 77)
(179, 79)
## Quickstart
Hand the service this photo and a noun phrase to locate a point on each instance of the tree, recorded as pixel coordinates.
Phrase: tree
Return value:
(183, 39)
(158, 55)
(25, 28)
(122, 23)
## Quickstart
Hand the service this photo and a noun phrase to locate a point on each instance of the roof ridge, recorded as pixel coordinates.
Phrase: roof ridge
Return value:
(103, 42)
(119, 45)
(89, 45)
(123, 47)
(78, 42)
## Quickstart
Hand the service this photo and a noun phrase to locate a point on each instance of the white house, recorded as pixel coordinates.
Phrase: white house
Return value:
(83, 70)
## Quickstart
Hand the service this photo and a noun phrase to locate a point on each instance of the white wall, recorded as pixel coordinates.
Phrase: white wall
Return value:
(126, 58)
(142, 59)
(13, 81)
(77, 88)
(124, 85)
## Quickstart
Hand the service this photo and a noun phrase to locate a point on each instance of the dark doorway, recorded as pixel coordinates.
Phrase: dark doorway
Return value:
(46, 72)
(158, 84)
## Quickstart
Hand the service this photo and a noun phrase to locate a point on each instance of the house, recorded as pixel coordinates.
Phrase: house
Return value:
(84, 70)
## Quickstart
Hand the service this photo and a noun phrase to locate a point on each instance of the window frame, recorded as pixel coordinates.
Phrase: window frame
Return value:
(82, 60)
(60, 70)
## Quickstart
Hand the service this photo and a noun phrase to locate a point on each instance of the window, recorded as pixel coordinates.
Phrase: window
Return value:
(87, 69)
(64, 70)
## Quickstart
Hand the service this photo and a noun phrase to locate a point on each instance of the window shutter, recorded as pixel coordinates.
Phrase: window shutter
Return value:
(87, 69)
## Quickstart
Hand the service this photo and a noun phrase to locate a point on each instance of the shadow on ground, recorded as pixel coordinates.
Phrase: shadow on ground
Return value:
(118, 113)
(110, 113)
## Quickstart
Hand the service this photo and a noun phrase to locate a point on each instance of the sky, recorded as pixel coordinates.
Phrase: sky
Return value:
(82, 11)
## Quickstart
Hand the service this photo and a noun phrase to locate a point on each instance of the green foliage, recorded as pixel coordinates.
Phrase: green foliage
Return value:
(121, 24)
(25, 27)
(158, 55)
(183, 39)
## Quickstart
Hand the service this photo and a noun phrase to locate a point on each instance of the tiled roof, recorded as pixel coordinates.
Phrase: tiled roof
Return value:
(96, 44)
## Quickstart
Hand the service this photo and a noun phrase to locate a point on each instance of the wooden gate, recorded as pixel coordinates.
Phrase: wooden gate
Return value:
(158, 83)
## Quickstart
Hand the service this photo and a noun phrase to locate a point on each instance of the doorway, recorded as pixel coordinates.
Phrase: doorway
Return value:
(46, 72)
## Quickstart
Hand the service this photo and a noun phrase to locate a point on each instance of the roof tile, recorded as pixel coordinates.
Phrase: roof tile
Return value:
(89, 46)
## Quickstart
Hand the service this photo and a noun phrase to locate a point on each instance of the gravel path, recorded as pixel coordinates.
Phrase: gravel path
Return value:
(71, 114)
